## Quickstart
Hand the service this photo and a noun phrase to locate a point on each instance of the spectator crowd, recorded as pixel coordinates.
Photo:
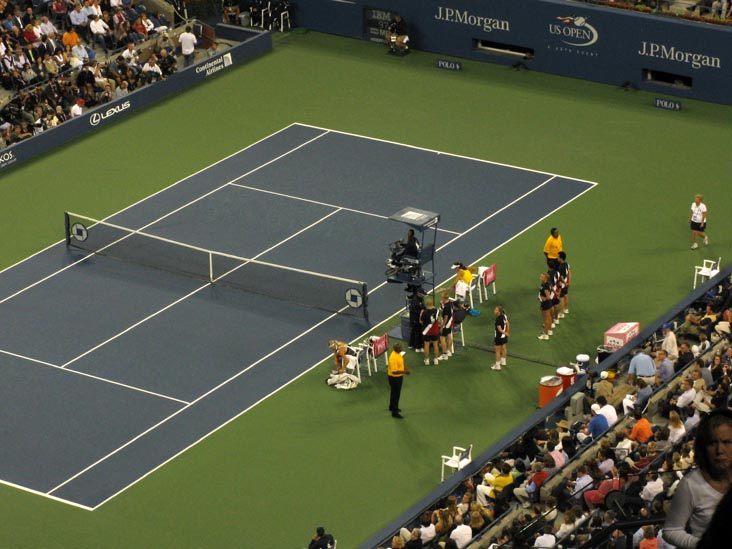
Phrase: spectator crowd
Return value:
(648, 463)
(51, 59)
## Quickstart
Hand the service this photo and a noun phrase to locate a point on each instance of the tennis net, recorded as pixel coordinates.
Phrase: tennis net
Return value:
(316, 290)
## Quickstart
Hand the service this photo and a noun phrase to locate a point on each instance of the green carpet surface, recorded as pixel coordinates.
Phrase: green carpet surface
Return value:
(311, 456)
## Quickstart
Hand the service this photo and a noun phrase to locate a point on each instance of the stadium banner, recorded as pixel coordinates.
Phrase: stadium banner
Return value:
(254, 45)
(668, 55)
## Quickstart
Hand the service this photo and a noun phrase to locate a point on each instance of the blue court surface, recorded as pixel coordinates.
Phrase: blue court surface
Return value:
(110, 369)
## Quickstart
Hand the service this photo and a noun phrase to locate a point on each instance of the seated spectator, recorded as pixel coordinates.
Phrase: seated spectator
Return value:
(683, 401)
(462, 533)
(669, 344)
(638, 401)
(567, 526)
(664, 367)
(652, 487)
(641, 431)
(623, 446)
(605, 460)
(675, 427)
(685, 356)
(150, 70)
(698, 323)
(493, 484)
(530, 488)
(596, 426)
(426, 528)
(546, 539)
(607, 410)
(604, 387)
(477, 522)
(167, 63)
(595, 498)
(231, 12)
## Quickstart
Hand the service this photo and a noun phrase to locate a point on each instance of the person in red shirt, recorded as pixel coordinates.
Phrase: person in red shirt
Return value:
(532, 486)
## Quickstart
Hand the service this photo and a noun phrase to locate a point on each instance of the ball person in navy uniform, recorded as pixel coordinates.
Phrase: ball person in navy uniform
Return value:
(500, 338)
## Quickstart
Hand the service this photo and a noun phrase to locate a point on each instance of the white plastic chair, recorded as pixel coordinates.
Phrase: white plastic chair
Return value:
(460, 458)
(707, 270)
(463, 291)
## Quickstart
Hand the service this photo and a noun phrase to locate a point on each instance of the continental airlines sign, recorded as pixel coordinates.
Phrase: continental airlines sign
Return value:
(464, 17)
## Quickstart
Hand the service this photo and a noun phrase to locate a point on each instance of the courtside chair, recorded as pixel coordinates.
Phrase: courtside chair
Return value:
(463, 292)
(460, 458)
(376, 346)
(708, 269)
(486, 277)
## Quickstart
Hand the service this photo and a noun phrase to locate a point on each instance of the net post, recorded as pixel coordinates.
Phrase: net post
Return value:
(365, 294)
(67, 225)
(210, 268)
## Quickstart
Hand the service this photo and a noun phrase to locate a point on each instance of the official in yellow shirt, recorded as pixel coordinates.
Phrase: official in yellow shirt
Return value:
(396, 371)
(552, 247)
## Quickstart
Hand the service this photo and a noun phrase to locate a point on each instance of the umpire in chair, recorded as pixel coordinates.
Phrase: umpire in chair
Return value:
(397, 37)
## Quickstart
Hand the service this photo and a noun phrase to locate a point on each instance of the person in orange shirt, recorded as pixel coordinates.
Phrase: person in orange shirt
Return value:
(70, 38)
(396, 371)
(552, 247)
(641, 431)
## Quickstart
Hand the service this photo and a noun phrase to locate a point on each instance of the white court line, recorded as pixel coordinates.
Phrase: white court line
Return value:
(319, 203)
(497, 212)
(84, 374)
(163, 190)
(204, 395)
(521, 168)
(359, 338)
(43, 494)
(313, 327)
(188, 404)
(174, 303)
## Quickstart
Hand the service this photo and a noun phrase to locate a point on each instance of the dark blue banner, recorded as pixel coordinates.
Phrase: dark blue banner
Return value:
(655, 53)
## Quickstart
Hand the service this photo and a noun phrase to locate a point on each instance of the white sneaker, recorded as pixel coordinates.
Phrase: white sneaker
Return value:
(503, 362)
(426, 361)
(550, 333)
(543, 336)
(443, 356)
(560, 315)
(566, 311)
(496, 367)
(419, 350)
(449, 353)
(706, 241)
(694, 246)
(436, 361)
(554, 325)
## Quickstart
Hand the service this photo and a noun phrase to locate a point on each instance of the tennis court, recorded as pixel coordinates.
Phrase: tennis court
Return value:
(113, 368)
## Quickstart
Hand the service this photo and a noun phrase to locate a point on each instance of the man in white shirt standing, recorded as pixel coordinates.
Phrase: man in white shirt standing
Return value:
(188, 43)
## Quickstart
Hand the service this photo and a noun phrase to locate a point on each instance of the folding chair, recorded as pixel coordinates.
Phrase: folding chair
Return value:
(377, 346)
(486, 277)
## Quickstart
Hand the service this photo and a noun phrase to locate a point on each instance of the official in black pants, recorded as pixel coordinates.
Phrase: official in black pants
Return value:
(396, 371)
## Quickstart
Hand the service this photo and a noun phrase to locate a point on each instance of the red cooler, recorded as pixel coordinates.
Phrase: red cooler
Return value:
(568, 376)
(549, 387)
